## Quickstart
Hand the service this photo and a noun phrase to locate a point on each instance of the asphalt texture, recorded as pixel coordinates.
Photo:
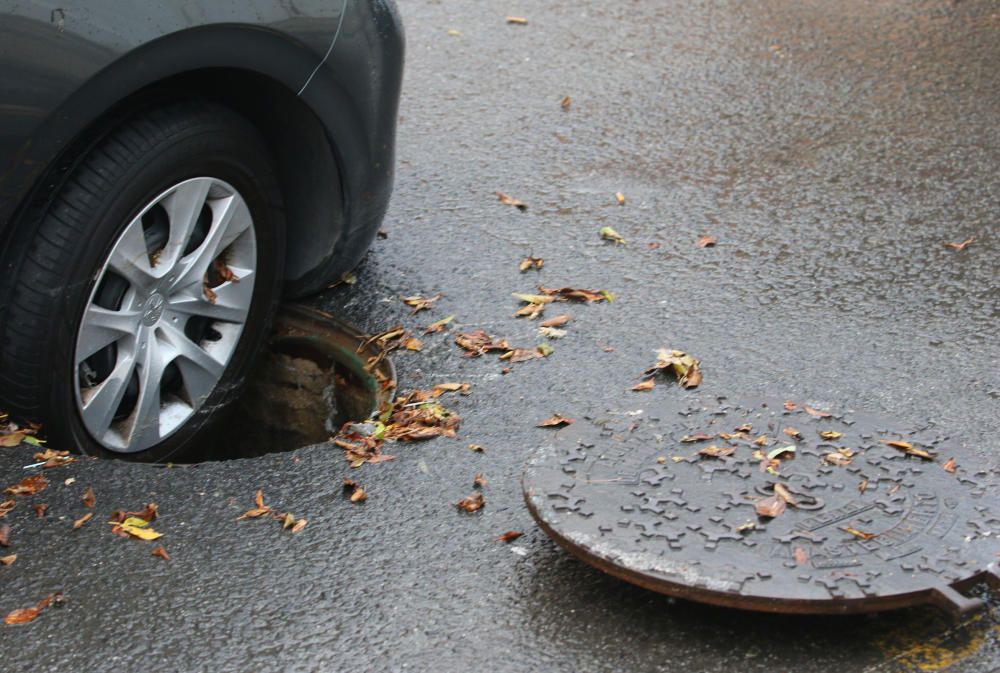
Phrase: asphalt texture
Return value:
(832, 149)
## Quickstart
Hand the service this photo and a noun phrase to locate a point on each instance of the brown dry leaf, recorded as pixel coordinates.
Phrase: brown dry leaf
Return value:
(225, 273)
(530, 262)
(517, 20)
(88, 498)
(565, 102)
(6, 506)
(620, 198)
(576, 294)
(714, 451)
(858, 533)
(471, 503)
(816, 413)
(299, 525)
(555, 421)
(840, 457)
(684, 367)
(359, 495)
(785, 494)
(531, 311)
(478, 342)
(52, 458)
(706, 241)
(477, 448)
(414, 416)
(8, 560)
(4, 535)
(413, 344)
(510, 536)
(793, 433)
(960, 246)
(770, 507)
(260, 510)
(762, 440)
(479, 481)
(648, 384)
(696, 437)
(438, 326)
(82, 520)
(418, 303)
(148, 513)
(790, 406)
(950, 465)
(209, 292)
(28, 486)
(521, 355)
(830, 434)
(801, 557)
(557, 321)
(908, 448)
(161, 552)
(863, 486)
(40, 509)
(25, 615)
(508, 200)
(287, 520)
(461, 388)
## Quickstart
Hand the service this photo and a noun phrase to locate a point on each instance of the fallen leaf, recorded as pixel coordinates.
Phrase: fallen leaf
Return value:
(908, 448)
(858, 533)
(714, 451)
(696, 437)
(210, 294)
(609, 234)
(770, 507)
(779, 451)
(620, 198)
(4, 535)
(557, 321)
(836, 458)
(25, 615)
(950, 465)
(148, 513)
(648, 384)
(438, 326)
(517, 20)
(40, 509)
(565, 102)
(28, 485)
(6, 506)
(793, 433)
(706, 241)
(862, 485)
(510, 536)
(830, 434)
(533, 298)
(479, 481)
(477, 448)
(551, 332)
(413, 344)
(576, 294)
(453, 32)
(158, 550)
(960, 246)
(52, 458)
(260, 510)
(800, 555)
(359, 495)
(478, 342)
(785, 494)
(508, 200)
(418, 303)
(746, 527)
(531, 263)
(82, 520)
(461, 388)
(790, 406)
(471, 503)
(299, 525)
(521, 355)
(684, 367)
(816, 413)
(544, 350)
(88, 498)
(762, 440)
(555, 421)
(8, 560)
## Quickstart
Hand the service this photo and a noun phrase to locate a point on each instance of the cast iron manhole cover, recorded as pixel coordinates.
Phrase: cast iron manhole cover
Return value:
(870, 521)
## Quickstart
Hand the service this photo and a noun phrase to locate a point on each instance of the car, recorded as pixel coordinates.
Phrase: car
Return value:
(168, 172)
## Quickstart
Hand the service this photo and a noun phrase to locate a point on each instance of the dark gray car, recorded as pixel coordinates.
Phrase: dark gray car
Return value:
(167, 172)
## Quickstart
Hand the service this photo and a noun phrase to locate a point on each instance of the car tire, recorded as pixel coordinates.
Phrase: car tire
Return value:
(165, 240)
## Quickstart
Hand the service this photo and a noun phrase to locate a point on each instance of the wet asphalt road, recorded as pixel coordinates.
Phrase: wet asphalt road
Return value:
(831, 148)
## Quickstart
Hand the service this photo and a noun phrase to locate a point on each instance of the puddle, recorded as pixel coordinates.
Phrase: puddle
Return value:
(311, 379)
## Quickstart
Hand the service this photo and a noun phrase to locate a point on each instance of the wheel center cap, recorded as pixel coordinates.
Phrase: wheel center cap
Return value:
(153, 309)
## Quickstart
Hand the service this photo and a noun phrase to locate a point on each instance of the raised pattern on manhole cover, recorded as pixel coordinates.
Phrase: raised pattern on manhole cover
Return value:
(867, 525)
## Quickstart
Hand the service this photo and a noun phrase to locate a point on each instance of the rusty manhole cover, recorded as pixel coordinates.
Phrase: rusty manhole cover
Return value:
(868, 523)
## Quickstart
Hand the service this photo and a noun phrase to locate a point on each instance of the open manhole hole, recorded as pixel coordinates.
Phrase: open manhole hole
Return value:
(772, 506)
(316, 374)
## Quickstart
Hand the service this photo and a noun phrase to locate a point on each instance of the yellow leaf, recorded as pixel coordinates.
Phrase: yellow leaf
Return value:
(139, 532)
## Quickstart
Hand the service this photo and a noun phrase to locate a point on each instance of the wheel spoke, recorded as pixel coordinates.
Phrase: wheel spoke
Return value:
(199, 369)
(230, 218)
(183, 206)
(232, 301)
(145, 420)
(101, 327)
(130, 257)
(102, 401)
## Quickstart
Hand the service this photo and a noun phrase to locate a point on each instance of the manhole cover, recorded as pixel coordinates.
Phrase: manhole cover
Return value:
(674, 504)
